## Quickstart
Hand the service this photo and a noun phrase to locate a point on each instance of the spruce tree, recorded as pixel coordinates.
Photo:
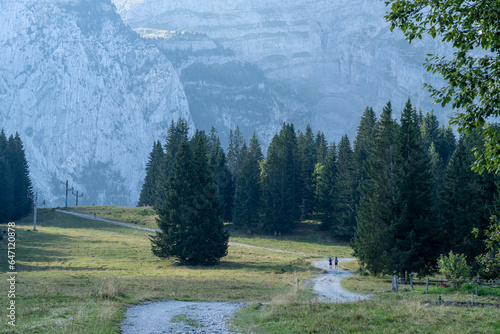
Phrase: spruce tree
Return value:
(190, 217)
(362, 147)
(466, 199)
(7, 191)
(234, 155)
(271, 185)
(247, 202)
(281, 182)
(345, 186)
(148, 191)
(377, 208)
(415, 231)
(18, 165)
(321, 147)
(326, 196)
(289, 194)
(308, 158)
(177, 133)
(222, 175)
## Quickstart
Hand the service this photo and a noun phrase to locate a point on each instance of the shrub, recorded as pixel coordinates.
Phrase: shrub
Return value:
(454, 266)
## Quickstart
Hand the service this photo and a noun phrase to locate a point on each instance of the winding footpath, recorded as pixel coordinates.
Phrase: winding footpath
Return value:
(211, 317)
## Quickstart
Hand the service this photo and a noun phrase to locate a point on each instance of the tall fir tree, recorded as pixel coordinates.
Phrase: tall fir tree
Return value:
(247, 203)
(271, 185)
(326, 196)
(344, 220)
(362, 147)
(377, 208)
(190, 218)
(281, 182)
(308, 159)
(148, 191)
(222, 175)
(177, 133)
(415, 229)
(321, 147)
(7, 191)
(19, 168)
(235, 155)
(466, 199)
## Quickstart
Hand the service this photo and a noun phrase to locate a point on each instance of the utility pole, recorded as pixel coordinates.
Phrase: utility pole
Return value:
(66, 194)
(67, 189)
(36, 205)
(77, 197)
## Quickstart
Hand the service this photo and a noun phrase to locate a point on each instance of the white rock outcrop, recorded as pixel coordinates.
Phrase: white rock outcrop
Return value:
(87, 95)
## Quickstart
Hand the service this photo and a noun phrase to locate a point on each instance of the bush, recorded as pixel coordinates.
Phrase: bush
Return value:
(454, 266)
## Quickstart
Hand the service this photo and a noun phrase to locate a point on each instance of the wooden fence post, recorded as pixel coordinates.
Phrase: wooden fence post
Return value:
(411, 282)
(427, 286)
(394, 283)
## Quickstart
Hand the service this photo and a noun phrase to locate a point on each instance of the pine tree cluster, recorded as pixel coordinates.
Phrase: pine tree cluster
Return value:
(403, 193)
(15, 182)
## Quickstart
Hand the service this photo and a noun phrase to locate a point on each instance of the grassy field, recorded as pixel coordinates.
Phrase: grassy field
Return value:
(62, 267)
(145, 216)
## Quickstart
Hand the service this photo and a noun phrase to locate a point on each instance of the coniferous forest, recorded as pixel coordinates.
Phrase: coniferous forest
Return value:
(402, 192)
(15, 182)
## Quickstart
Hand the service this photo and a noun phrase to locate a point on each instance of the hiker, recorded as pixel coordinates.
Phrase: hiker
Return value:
(94, 215)
(336, 263)
(330, 260)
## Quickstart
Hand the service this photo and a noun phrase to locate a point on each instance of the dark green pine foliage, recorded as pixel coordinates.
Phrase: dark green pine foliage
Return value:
(247, 203)
(362, 147)
(281, 182)
(377, 208)
(222, 175)
(271, 185)
(177, 133)
(430, 130)
(18, 165)
(290, 196)
(344, 218)
(6, 183)
(321, 147)
(465, 201)
(308, 159)
(415, 231)
(447, 144)
(437, 172)
(235, 155)
(326, 196)
(148, 191)
(190, 218)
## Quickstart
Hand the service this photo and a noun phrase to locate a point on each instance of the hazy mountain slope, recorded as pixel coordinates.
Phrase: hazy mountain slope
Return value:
(87, 95)
(338, 55)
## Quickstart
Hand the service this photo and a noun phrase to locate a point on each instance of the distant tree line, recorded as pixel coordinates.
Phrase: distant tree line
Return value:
(15, 182)
(403, 193)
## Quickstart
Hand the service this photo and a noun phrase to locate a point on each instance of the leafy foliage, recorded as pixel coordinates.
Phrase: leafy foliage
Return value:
(455, 267)
(490, 260)
(473, 73)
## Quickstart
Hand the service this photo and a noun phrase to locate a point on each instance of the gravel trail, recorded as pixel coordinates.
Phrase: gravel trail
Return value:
(207, 317)
(328, 285)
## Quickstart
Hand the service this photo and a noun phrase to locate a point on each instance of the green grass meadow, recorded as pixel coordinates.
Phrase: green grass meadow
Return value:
(65, 264)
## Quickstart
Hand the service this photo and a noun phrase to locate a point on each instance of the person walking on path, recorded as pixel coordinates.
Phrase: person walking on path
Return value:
(330, 261)
(336, 263)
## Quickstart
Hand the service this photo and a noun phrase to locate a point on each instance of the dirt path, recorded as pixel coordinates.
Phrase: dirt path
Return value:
(328, 285)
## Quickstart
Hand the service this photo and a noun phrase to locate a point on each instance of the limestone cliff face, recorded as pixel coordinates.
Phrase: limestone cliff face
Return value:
(87, 95)
(339, 56)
